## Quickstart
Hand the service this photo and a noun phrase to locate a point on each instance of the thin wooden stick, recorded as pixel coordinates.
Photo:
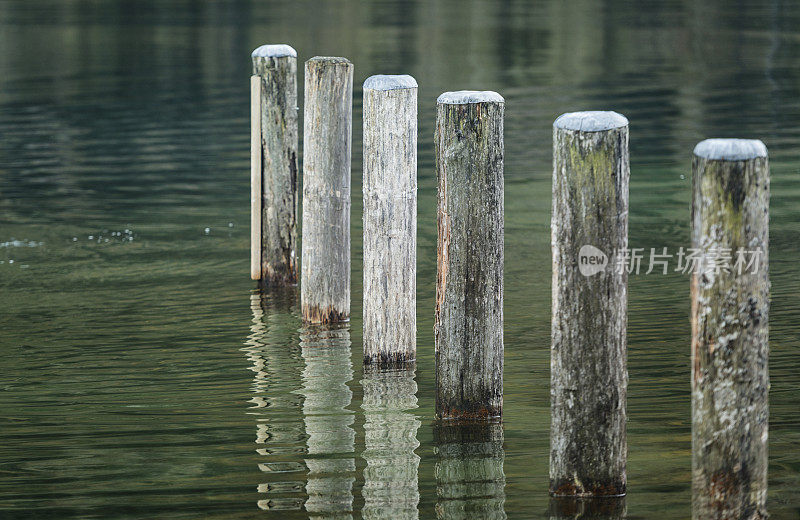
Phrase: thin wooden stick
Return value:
(255, 177)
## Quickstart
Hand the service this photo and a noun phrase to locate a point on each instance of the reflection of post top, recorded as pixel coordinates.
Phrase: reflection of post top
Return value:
(464, 97)
(591, 121)
(390, 82)
(730, 149)
(274, 51)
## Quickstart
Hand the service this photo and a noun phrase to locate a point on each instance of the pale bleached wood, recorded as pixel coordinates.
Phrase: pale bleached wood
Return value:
(390, 220)
(325, 286)
(588, 358)
(255, 177)
(730, 331)
(276, 66)
(468, 325)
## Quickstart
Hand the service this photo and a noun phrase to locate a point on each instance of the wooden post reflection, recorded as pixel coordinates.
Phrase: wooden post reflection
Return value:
(328, 422)
(390, 437)
(272, 349)
(600, 508)
(470, 482)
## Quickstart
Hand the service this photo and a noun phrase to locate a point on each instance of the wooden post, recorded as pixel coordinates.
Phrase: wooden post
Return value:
(730, 329)
(391, 487)
(470, 480)
(274, 163)
(588, 373)
(468, 326)
(328, 121)
(390, 220)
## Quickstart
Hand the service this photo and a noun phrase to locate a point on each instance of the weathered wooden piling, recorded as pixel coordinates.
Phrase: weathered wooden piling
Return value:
(328, 121)
(274, 165)
(588, 373)
(730, 329)
(468, 326)
(390, 220)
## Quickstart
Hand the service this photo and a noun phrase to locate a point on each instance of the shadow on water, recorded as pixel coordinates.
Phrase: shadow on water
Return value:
(568, 508)
(470, 482)
(391, 489)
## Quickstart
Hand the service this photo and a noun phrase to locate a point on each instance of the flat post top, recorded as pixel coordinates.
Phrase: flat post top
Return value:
(329, 60)
(591, 121)
(464, 97)
(730, 149)
(275, 51)
(390, 82)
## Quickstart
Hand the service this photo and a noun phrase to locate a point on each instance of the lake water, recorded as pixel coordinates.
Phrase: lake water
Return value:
(141, 375)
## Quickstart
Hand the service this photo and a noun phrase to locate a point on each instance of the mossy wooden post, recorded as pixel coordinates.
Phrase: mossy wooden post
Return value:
(588, 372)
(730, 310)
(390, 220)
(327, 134)
(275, 152)
(468, 326)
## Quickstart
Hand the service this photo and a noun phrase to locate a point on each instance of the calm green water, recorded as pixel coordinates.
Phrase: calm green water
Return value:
(142, 378)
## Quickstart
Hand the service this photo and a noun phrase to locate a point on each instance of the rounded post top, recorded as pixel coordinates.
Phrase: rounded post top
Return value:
(275, 51)
(390, 82)
(332, 60)
(730, 149)
(591, 121)
(464, 97)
